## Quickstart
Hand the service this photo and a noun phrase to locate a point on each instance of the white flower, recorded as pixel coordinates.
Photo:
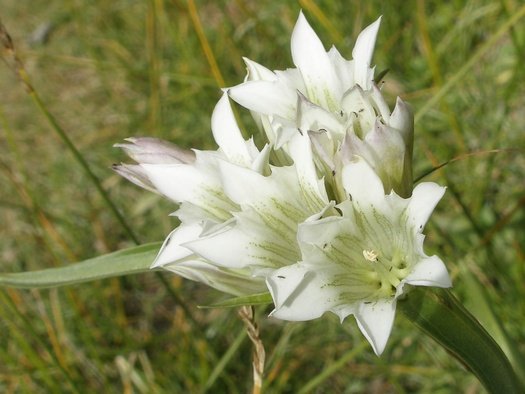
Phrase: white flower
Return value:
(337, 103)
(324, 216)
(360, 262)
(193, 180)
(262, 235)
(238, 214)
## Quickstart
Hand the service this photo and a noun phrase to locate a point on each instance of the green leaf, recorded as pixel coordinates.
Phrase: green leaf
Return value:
(254, 299)
(481, 307)
(441, 316)
(124, 262)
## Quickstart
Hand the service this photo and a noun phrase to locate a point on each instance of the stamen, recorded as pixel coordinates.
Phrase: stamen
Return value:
(370, 255)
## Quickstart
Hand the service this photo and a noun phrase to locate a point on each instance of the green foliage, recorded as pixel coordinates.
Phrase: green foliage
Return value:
(107, 70)
(123, 262)
(439, 314)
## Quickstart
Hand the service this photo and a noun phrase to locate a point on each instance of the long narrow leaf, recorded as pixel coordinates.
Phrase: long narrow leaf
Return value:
(440, 315)
(481, 307)
(124, 262)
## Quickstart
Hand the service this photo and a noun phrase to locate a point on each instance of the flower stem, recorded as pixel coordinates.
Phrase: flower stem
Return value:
(440, 315)
(247, 316)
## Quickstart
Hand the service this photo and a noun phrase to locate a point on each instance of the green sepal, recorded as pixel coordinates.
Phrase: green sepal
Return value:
(254, 299)
(440, 315)
(124, 262)
(380, 75)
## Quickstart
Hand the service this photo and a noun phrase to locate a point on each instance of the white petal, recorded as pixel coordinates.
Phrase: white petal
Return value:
(171, 249)
(284, 131)
(198, 184)
(228, 281)
(351, 146)
(311, 117)
(356, 103)
(375, 321)
(227, 134)
(381, 104)
(343, 68)
(321, 231)
(178, 182)
(362, 183)
(292, 78)
(305, 301)
(388, 149)
(228, 248)
(250, 240)
(316, 68)
(387, 142)
(430, 271)
(265, 97)
(325, 148)
(136, 174)
(362, 54)
(279, 202)
(402, 118)
(155, 151)
(258, 72)
(313, 189)
(260, 163)
(424, 199)
(190, 213)
(284, 281)
(246, 187)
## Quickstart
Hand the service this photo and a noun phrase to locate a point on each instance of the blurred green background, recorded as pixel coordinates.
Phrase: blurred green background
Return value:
(107, 70)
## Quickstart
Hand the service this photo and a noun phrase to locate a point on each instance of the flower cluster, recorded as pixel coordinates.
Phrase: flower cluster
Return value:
(324, 216)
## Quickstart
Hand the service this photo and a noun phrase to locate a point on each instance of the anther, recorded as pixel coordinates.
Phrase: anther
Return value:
(370, 255)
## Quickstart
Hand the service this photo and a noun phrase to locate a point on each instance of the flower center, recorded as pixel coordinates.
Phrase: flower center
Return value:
(390, 270)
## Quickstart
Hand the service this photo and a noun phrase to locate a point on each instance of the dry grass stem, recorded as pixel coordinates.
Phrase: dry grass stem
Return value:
(247, 316)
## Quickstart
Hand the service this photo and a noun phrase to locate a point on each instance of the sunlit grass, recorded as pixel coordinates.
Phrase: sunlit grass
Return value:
(110, 70)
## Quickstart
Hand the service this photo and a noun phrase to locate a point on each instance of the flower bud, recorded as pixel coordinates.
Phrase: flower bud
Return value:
(148, 150)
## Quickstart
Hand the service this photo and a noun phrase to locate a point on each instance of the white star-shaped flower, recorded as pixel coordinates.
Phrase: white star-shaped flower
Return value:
(360, 262)
(238, 214)
(324, 215)
(193, 180)
(337, 103)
